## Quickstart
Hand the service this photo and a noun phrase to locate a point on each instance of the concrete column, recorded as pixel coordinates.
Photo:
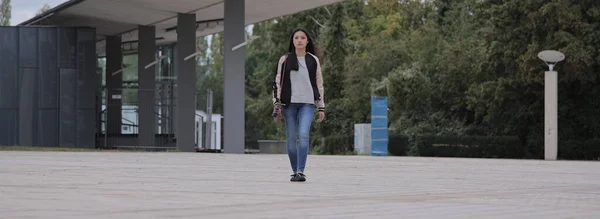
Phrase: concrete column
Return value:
(551, 116)
(186, 82)
(114, 83)
(146, 90)
(234, 98)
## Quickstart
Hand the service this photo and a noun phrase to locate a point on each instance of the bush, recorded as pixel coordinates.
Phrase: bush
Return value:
(579, 149)
(457, 146)
(534, 145)
(466, 146)
(398, 145)
(472, 146)
(334, 145)
(593, 149)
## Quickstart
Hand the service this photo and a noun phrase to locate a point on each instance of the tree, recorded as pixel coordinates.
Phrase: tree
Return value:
(513, 103)
(44, 8)
(130, 75)
(5, 13)
(456, 68)
(212, 77)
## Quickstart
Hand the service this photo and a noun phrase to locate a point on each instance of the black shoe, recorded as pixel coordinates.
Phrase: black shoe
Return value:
(294, 177)
(298, 177)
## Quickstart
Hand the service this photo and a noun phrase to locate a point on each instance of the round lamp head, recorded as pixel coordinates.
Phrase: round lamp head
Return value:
(551, 56)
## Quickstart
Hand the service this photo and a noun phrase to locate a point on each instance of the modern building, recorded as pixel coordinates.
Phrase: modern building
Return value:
(53, 89)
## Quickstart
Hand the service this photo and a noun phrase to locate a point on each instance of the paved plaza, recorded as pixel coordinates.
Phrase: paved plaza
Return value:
(197, 185)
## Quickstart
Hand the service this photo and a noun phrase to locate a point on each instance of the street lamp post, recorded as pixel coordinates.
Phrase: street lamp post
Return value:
(551, 57)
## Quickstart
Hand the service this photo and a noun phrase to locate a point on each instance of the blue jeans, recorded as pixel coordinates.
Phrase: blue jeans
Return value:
(298, 119)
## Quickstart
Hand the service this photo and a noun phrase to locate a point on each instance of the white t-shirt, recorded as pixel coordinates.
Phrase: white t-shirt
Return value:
(302, 91)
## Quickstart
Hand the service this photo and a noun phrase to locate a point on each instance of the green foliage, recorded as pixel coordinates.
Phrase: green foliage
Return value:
(334, 145)
(5, 12)
(398, 145)
(511, 147)
(43, 9)
(130, 74)
(449, 68)
(578, 149)
(210, 74)
(468, 146)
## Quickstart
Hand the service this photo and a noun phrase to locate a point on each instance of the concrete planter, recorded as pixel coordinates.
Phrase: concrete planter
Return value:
(272, 146)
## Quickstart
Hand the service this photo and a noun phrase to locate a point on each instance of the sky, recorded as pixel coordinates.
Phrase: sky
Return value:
(23, 10)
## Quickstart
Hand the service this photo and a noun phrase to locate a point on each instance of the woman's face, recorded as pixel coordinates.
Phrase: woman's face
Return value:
(300, 40)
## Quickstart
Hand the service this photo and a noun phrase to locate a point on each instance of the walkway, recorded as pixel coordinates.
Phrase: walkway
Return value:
(196, 185)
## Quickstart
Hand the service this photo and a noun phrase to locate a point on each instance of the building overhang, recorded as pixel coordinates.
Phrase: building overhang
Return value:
(122, 17)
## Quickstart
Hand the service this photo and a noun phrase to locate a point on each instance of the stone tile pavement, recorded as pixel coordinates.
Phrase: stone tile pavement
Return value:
(195, 185)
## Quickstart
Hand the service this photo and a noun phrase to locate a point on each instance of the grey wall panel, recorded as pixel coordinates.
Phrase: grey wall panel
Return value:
(86, 65)
(67, 48)
(9, 68)
(28, 47)
(40, 71)
(9, 125)
(67, 113)
(86, 128)
(28, 107)
(48, 127)
(48, 71)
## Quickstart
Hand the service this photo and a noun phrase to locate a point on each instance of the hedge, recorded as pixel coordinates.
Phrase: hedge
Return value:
(334, 145)
(511, 147)
(579, 149)
(469, 146)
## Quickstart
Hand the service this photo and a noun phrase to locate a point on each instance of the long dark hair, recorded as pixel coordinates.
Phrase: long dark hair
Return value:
(291, 62)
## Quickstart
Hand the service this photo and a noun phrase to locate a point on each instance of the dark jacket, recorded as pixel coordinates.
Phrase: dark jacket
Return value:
(282, 91)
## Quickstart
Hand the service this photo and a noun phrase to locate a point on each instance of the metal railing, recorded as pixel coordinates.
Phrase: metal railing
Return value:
(122, 123)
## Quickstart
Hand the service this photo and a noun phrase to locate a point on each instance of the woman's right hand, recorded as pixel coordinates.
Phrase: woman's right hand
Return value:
(276, 113)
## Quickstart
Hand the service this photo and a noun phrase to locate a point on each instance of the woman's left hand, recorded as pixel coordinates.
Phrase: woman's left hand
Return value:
(321, 116)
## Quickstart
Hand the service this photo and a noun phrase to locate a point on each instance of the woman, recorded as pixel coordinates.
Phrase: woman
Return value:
(297, 89)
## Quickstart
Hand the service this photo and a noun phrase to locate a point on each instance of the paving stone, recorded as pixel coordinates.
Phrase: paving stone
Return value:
(197, 185)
